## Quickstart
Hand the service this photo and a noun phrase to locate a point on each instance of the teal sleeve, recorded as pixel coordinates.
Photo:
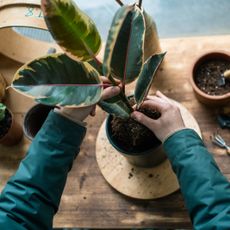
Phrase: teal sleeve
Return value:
(31, 197)
(205, 190)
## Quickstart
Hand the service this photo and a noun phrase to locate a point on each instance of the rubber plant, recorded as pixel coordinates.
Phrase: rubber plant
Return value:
(72, 79)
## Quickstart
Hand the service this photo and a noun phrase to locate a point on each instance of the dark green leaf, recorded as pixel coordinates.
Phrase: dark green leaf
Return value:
(146, 77)
(72, 29)
(151, 44)
(116, 106)
(124, 56)
(58, 80)
(97, 66)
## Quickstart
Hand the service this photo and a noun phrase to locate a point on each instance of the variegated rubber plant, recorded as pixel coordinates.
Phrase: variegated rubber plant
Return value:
(72, 79)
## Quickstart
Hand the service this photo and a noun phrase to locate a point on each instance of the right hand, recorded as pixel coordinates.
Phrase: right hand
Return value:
(170, 120)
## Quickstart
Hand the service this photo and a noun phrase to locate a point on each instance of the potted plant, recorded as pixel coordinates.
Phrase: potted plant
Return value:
(210, 78)
(10, 131)
(72, 79)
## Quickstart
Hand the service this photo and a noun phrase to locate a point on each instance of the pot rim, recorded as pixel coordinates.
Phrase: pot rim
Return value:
(125, 152)
(196, 63)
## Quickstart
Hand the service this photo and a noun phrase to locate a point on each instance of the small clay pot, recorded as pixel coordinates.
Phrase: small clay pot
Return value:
(14, 134)
(34, 119)
(147, 159)
(210, 100)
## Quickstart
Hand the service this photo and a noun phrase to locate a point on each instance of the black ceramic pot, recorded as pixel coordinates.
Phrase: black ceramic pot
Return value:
(146, 158)
(34, 119)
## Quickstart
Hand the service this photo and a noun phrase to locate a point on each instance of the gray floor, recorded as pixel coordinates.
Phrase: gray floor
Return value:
(174, 18)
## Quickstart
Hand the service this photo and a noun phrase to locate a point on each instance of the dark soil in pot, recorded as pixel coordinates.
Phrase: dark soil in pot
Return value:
(208, 76)
(5, 124)
(133, 136)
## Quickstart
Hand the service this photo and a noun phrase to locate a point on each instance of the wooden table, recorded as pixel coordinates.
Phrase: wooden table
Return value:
(88, 201)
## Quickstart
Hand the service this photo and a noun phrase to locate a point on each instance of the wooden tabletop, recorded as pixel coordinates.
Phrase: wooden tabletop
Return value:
(88, 201)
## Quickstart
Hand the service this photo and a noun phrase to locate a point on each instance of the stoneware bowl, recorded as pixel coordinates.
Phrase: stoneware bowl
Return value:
(210, 100)
(147, 158)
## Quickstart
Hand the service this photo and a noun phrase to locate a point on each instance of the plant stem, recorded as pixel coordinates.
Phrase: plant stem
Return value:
(126, 101)
(114, 83)
(140, 3)
(119, 2)
(123, 88)
(122, 94)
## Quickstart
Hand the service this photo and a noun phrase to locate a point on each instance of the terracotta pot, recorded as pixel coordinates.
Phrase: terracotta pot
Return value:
(210, 100)
(147, 158)
(34, 119)
(14, 134)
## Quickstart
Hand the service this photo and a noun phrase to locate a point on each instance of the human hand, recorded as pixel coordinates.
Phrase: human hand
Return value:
(79, 114)
(168, 123)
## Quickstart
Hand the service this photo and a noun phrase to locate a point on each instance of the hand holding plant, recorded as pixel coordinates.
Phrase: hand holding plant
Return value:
(72, 79)
(163, 127)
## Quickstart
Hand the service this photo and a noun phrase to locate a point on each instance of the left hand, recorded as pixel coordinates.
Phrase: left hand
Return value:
(79, 114)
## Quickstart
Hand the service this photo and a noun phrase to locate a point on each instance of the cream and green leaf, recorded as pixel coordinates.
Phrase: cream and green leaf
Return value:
(72, 29)
(151, 44)
(58, 80)
(124, 51)
(146, 77)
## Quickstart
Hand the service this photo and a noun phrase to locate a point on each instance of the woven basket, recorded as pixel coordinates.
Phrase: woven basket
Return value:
(19, 14)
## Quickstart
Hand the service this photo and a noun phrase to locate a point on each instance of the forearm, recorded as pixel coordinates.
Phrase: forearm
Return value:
(206, 191)
(31, 197)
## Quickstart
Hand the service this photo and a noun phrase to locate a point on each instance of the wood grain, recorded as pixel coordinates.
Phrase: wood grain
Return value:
(88, 201)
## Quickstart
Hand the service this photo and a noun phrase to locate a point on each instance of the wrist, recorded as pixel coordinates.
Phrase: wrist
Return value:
(68, 116)
(164, 139)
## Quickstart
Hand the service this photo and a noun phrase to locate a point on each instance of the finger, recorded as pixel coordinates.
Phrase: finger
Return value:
(106, 80)
(154, 104)
(110, 92)
(143, 119)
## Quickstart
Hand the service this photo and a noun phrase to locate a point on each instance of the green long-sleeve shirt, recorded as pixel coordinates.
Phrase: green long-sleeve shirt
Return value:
(31, 197)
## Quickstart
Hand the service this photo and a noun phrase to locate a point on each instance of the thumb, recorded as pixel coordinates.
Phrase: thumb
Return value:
(144, 120)
(110, 92)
